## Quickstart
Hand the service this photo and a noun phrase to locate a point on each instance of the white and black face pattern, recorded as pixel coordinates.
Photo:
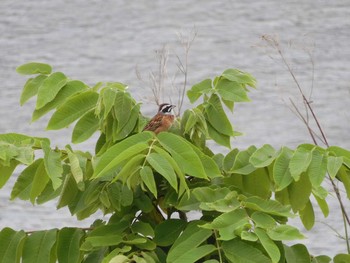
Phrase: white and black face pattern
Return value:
(166, 108)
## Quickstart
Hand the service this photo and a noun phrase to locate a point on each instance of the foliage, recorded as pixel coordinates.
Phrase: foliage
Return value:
(148, 182)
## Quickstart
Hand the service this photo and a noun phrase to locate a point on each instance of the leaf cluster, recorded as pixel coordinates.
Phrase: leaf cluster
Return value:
(148, 183)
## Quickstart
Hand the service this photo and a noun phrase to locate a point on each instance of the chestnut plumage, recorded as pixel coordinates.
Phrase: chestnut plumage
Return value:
(163, 120)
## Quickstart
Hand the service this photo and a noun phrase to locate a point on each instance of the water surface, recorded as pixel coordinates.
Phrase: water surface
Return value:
(106, 41)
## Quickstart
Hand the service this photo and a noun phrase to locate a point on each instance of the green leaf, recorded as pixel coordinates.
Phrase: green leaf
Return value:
(6, 172)
(230, 159)
(119, 259)
(191, 120)
(129, 126)
(38, 246)
(103, 197)
(343, 175)
(34, 68)
(68, 245)
(97, 256)
(284, 232)
(105, 235)
(333, 165)
(143, 228)
(194, 254)
(270, 247)
(129, 170)
(263, 220)
(119, 195)
(299, 192)
(231, 91)
(116, 255)
(241, 164)
(307, 216)
(197, 90)
(108, 95)
(7, 153)
(211, 194)
(48, 194)
(85, 127)
(228, 220)
(218, 137)
(226, 204)
(338, 151)
(217, 117)
(239, 251)
(183, 154)
(144, 203)
(188, 203)
(69, 191)
(341, 258)
(281, 172)
(117, 85)
(122, 151)
(21, 139)
(11, 245)
(25, 155)
(263, 156)
(122, 108)
(147, 177)
(229, 230)
(187, 247)
(40, 181)
(257, 183)
(168, 231)
(182, 180)
(317, 168)
(322, 259)
(323, 205)
(249, 236)
(24, 181)
(10, 152)
(76, 170)
(299, 162)
(162, 166)
(72, 87)
(49, 88)
(228, 104)
(31, 88)
(297, 253)
(132, 151)
(53, 165)
(240, 77)
(210, 166)
(72, 109)
(268, 206)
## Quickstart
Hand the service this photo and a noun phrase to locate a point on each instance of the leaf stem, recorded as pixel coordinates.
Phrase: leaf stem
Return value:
(346, 234)
(218, 245)
(82, 228)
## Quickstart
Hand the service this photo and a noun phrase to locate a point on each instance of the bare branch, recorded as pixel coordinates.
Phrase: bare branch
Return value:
(158, 80)
(274, 43)
(186, 43)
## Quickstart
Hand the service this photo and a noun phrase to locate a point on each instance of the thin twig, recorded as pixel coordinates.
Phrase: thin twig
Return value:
(186, 43)
(346, 234)
(300, 115)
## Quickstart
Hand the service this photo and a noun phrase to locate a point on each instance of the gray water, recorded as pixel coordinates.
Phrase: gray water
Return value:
(107, 40)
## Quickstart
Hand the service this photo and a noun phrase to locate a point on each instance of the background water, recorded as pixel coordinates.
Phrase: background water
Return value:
(106, 40)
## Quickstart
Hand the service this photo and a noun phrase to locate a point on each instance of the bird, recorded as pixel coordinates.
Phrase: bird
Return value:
(163, 120)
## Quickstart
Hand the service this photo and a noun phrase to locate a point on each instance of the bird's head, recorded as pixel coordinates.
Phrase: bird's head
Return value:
(166, 108)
